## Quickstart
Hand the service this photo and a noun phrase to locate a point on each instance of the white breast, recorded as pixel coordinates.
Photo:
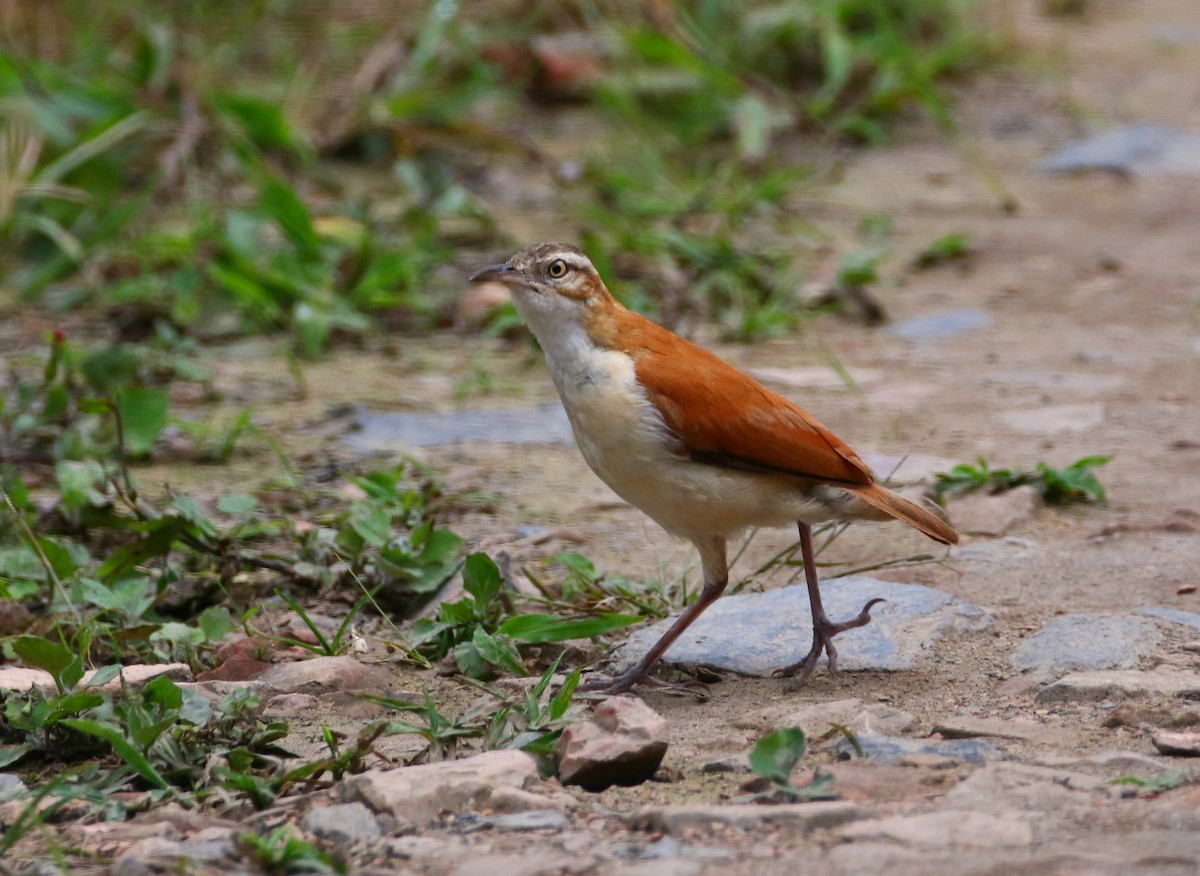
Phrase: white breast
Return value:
(628, 445)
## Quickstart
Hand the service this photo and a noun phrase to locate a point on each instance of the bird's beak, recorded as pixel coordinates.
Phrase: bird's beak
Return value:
(505, 273)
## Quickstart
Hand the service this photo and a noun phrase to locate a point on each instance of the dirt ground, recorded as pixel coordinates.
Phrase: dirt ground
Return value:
(1093, 292)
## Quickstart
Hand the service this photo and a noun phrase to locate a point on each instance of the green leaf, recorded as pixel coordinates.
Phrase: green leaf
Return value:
(163, 692)
(10, 754)
(189, 509)
(215, 622)
(143, 417)
(372, 523)
(470, 662)
(538, 628)
(281, 203)
(124, 748)
(156, 543)
(499, 651)
(238, 504)
(776, 754)
(52, 657)
(262, 120)
(561, 701)
(104, 675)
(481, 578)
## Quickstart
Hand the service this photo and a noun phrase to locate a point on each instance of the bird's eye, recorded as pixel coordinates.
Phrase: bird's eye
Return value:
(557, 269)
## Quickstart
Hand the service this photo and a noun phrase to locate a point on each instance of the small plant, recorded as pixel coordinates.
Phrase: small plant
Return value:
(1167, 780)
(1075, 483)
(441, 732)
(476, 630)
(773, 759)
(283, 852)
(950, 247)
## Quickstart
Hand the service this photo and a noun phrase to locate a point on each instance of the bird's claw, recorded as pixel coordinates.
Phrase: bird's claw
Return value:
(823, 633)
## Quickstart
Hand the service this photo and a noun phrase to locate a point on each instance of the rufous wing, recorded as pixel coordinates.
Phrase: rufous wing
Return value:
(723, 416)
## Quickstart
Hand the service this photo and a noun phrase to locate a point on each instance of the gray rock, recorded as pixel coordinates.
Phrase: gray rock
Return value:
(1088, 687)
(385, 430)
(881, 720)
(419, 794)
(1053, 419)
(891, 750)
(537, 819)
(790, 817)
(1086, 641)
(945, 829)
(757, 633)
(342, 823)
(939, 326)
(997, 728)
(730, 763)
(212, 847)
(1144, 149)
(623, 744)
(992, 514)
(1173, 615)
(11, 787)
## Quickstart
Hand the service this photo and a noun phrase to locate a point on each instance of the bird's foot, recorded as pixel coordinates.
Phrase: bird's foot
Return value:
(823, 633)
(624, 683)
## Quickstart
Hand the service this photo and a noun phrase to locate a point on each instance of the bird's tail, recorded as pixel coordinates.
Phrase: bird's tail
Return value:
(910, 512)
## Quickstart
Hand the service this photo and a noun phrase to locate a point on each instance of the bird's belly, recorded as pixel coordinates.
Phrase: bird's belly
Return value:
(627, 444)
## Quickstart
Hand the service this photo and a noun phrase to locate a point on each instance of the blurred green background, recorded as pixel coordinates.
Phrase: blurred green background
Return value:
(209, 169)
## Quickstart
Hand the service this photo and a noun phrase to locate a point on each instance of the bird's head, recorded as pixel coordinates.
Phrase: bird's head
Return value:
(551, 283)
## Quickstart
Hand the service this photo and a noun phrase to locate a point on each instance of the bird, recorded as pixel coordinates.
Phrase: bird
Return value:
(700, 447)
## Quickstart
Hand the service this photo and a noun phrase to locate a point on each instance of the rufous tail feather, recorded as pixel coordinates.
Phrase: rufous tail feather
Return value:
(910, 512)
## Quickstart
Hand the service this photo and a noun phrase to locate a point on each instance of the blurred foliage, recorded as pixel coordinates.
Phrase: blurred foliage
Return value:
(287, 164)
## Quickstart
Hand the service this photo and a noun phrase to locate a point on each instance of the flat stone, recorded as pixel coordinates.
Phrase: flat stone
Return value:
(537, 819)
(757, 633)
(738, 762)
(873, 785)
(21, 678)
(701, 817)
(1177, 743)
(17, 678)
(881, 720)
(996, 728)
(322, 674)
(387, 430)
(891, 750)
(1005, 785)
(1007, 551)
(1145, 149)
(1054, 419)
(11, 787)
(418, 794)
(341, 823)
(1085, 641)
(623, 744)
(992, 514)
(1117, 684)
(1173, 615)
(942, 325)
(289, 704)
(945, 829)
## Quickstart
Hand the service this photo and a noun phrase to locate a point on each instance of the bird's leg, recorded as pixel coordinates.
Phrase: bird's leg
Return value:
(823, 628)
(716, 577)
